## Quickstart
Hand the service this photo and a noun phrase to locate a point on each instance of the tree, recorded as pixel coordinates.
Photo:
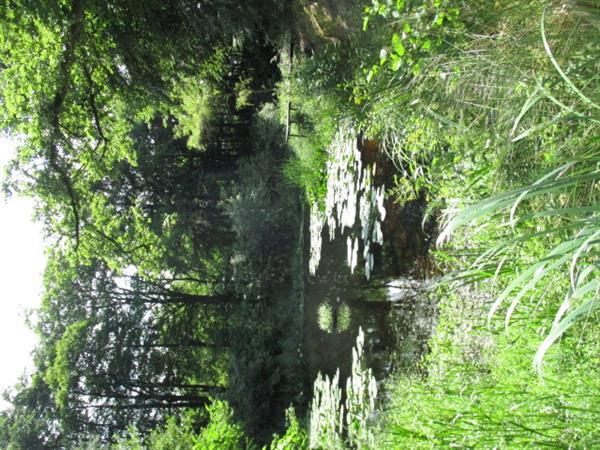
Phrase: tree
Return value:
(139, 287)
(101, 68)
(118, 349)
(32, 420)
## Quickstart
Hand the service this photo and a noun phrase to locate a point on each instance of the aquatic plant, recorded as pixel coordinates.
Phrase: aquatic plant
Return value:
(344, 317)
(326, 414)
(361, 393)
(325, 317)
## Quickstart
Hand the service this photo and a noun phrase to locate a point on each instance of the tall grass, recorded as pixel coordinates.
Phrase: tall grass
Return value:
(452, 128)
(500, 130)
(563, 203)
(479, 392)
(506, 109)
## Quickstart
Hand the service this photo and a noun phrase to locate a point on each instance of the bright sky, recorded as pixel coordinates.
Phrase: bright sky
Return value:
(21, 265)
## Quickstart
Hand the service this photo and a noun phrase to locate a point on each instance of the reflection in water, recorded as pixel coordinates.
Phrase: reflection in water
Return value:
(394, 312)
(352, 200)
(412, 318)
(397, 317)
(339, 410)
(333, 318)
(402, 289)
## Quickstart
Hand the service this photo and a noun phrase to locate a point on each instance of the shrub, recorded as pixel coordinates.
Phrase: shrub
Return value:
(295, 437)
(221, 433)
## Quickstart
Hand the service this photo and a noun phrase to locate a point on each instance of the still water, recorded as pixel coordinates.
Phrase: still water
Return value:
(363, 257)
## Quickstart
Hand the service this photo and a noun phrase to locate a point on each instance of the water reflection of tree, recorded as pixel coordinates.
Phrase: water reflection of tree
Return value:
(334, 317)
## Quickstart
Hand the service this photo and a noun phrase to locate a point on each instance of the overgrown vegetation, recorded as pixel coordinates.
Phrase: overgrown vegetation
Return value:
(175, 150)
(490, 111)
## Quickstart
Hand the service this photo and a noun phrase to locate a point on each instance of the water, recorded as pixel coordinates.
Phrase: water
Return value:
(353, 204)
(359, 227)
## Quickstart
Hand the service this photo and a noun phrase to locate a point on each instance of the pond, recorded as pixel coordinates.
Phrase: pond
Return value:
(364, 268)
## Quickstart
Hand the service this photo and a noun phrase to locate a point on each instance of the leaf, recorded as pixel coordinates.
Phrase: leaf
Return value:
(532, 100)
(576, 292)
(551, 182)
(397, 45)
(585, 309)
(557, 118)
(365, 23)
(396, 62)
(374, 70)
(559, 69)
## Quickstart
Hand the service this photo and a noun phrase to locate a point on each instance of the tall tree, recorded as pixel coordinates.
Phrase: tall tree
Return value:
(32, 421)
(117, 349)
(100, 67)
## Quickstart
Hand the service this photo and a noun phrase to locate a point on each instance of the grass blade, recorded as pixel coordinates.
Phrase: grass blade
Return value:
(585, 309)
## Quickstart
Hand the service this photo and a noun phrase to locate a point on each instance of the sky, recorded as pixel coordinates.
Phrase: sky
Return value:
(21, 267)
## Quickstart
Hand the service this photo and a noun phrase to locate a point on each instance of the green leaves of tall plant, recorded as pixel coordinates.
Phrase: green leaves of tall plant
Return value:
(418, 29)
(561, 210)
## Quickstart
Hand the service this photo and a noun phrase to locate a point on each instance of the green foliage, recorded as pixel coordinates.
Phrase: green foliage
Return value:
(319, 90)
(93, 443)
(243, 94)
(553, 208)
(197, 98)
(175, 257)
(333, 319)
(261, 209)
(175, 435)
(528, 94)
(494, 101)
(295, 437)
(32, 419)
(419, 29)
(481, 391)
(306, 169)
(221, 433)
(196, 112)
(59, 376)
(132, 440)
(265, 374)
